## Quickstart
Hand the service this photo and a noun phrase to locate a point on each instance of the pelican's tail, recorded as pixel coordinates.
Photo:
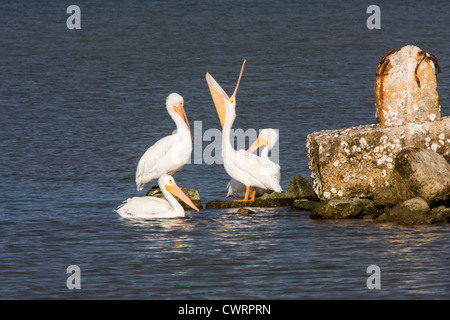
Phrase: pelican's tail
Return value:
(122, 209)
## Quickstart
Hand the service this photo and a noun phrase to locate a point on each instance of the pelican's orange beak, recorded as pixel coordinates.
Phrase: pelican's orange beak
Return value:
(258, 144)
(219, 95)
(182, 114)
(176, 191)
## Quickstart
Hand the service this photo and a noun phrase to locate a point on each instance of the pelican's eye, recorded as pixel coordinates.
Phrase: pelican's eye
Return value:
(170, 181)
(231, 100)
(181, 104)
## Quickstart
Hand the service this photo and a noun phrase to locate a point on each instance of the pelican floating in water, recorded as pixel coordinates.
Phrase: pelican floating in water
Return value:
(267, 139)
(152, 207)
(169, 154)
(243, 166)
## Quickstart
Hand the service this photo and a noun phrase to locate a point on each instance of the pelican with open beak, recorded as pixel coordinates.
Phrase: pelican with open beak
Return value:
(153, 207)
(243, 166)
(171, 153)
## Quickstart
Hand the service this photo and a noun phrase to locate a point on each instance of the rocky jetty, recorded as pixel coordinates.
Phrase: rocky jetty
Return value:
(413, 211)
(396, 170)
(299, 188)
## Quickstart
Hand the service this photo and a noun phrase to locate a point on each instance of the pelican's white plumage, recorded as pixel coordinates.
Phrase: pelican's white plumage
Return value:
(267, 138)
(171, 153)
(152, 207)
(243, 166)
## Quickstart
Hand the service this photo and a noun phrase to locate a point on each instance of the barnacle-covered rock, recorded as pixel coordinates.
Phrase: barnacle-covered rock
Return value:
(355, 161)
(406, 88)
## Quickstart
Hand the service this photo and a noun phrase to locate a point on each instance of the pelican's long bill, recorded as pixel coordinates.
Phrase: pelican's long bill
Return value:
(182, 114)
(176, 191)
(219, 95)
(258, 144)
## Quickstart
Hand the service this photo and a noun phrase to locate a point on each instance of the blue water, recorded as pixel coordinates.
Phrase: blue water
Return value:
(79, 108)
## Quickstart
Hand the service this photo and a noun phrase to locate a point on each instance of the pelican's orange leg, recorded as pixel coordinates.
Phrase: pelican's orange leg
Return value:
(247, 191)
(253, 194)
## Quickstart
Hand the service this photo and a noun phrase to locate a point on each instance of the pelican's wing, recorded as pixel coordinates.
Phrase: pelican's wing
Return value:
(261, 169)
(153, 163)
(143, 207)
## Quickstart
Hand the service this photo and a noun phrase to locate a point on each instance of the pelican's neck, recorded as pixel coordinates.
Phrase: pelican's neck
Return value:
(265, 152)
(226, 134)
(176, 206)
(179, 122)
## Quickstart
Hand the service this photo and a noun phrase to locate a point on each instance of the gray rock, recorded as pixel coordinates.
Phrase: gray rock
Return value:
(301, 188)
(445, 214)
(442, 214)
(274, 199)
(244, 211)
(421, 173)
(385, 197)
(412, 211)
(369, 208)
(338, 208)
(305, 204)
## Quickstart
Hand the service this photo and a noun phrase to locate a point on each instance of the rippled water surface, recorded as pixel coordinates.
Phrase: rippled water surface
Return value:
(79, 108)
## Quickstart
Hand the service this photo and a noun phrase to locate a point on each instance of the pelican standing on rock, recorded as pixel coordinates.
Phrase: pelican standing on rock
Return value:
(171, 153)
(267, 139)
(243, 166)
(152, 207)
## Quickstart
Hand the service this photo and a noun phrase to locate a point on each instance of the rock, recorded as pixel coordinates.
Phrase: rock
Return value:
(191, 193)
(405, 88)
(447, 157)
(274, 199)
(384, 197)
(412, 211)
(305, 204)
(421, 173)
(244, 211)
(369, 209)
(445, 214)
(301, 188)
(338, 208)
(442, 214)
(353, 162)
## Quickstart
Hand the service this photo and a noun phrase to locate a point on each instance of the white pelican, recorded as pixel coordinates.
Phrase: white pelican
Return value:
(169, 154)
(152, 207)
(267, 138)
(243, 166)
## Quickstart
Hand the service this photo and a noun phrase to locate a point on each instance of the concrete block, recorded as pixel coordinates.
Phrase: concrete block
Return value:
(353, 162)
